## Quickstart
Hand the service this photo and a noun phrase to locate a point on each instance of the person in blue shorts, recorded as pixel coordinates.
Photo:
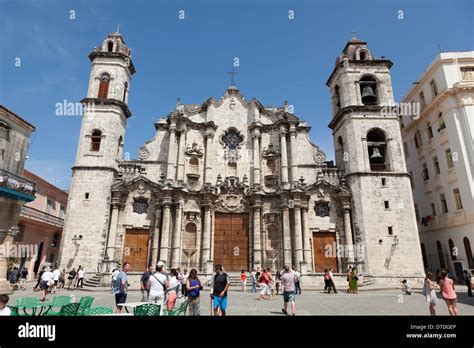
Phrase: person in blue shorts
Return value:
(219, 291)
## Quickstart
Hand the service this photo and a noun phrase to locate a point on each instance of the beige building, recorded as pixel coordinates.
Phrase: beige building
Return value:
(439, 150)
(41, 222)
(234, 182)
(15, 189)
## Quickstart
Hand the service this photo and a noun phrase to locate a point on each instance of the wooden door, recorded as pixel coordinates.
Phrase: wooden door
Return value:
(324, 251)
(136, 249)
(231, 241)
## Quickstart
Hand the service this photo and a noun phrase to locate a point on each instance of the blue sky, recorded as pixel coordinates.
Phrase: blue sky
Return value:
(280, 59)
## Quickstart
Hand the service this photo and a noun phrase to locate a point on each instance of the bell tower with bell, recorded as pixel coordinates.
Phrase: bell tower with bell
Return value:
(369, 153)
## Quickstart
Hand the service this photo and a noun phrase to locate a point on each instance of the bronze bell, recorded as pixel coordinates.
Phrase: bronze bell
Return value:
(376, 153)
(368, 95)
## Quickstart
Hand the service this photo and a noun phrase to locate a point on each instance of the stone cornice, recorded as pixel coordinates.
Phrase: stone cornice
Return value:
(101, 54)
(17, 119)
(373, 109)
(376, 62)
(107, 101)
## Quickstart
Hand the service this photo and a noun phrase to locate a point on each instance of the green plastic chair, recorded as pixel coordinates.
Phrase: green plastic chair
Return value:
(181, 310)
(27, 303)
(58, 302)
(69, 310)
(85, 303)
(147, 310)
(14, 311)
(98, 311)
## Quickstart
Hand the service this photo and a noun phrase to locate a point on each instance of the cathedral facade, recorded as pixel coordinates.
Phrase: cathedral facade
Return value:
(234, 182)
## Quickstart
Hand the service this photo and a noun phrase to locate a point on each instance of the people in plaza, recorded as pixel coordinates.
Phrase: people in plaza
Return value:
(114, 275)
(56, 274)
(288, 282)
(258, 274)
(157, 285)
(173, 289)
(354, 278)
(298, 281)
(71, 277)
(62, 278)
(277, 282)
(179, 277)
(4, 310)
(327, 282)
(429, 287)
(193, 287)
(23, 278)
(253, 279)
(264, 283)
(14, 275)
(438, 276)
(219, 291)
(406, 287)
(46, 282)
(121, 287)
(80, 277)
(271, 282)
(449, 293)
(184, 278)
(143, 282)
(467, 279)
(348, 278)
(243, 280)
(38, 283)
(331, 280)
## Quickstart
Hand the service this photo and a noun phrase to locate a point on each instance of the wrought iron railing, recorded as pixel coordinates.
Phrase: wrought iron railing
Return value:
(16, 182)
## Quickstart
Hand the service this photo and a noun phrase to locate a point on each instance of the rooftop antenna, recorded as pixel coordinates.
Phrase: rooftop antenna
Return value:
(353, 34)
(118, 28)
(232, 73)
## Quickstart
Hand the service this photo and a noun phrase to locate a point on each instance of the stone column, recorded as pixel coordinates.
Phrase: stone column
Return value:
(284, 157)
(208, 163)
(257, 238)
(111, 247)
(293, 150)
(349, 247)
(206, 238)
(171, 172)
(165, 233)
(256, 156)
(286, 235)
(156, 236)
(298, 237)
(176, 249)
(181, 149)
(306, 237)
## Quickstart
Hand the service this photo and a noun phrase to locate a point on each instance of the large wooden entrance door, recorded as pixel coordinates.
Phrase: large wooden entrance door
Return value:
(324, 251)
(231, 241)
(135, 248)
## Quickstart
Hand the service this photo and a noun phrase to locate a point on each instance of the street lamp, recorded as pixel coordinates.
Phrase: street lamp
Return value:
(395, 240)
(75, 239)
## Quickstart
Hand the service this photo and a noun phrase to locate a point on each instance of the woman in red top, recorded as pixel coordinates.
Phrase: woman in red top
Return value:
(243, 279)
(264, 280)
(449, 295)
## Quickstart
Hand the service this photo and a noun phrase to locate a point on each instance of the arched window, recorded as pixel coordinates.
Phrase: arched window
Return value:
(194, 165)
(363, 55)
(104, 85)
(467, 248)
(368, 90)
(95, 140)
(377, 147)
(271, 165)
(440, 254)
(189, 240)
(423, 253)
(110, 46)
(125, 91)
(452, 251)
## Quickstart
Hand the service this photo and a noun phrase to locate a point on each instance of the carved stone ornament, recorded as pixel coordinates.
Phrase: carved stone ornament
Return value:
(321, 208)
(319, 158)
(141, 189)
(143, 153)
(140, 205)
(231, 203)
(194, 150)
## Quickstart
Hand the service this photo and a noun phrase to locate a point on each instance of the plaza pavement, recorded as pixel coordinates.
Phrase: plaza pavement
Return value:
(311, 302)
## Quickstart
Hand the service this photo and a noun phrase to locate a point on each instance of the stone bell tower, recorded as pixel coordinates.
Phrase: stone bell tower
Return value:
(99, 151)
(369, 152)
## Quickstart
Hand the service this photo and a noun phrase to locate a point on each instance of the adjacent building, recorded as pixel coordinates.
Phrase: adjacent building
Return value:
(15, 189)
(439, 150)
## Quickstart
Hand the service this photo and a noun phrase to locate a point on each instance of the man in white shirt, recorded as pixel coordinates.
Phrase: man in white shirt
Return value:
(157, 285)
(80, 278)
(56, 275)
(184, 278)
(46, 282)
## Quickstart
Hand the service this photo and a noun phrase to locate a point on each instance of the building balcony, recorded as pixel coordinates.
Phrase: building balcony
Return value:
(38, 215)
(427, 185)
(16, 187)
(421, 153)
(446, 220)
(437, 181)
(443, 135)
